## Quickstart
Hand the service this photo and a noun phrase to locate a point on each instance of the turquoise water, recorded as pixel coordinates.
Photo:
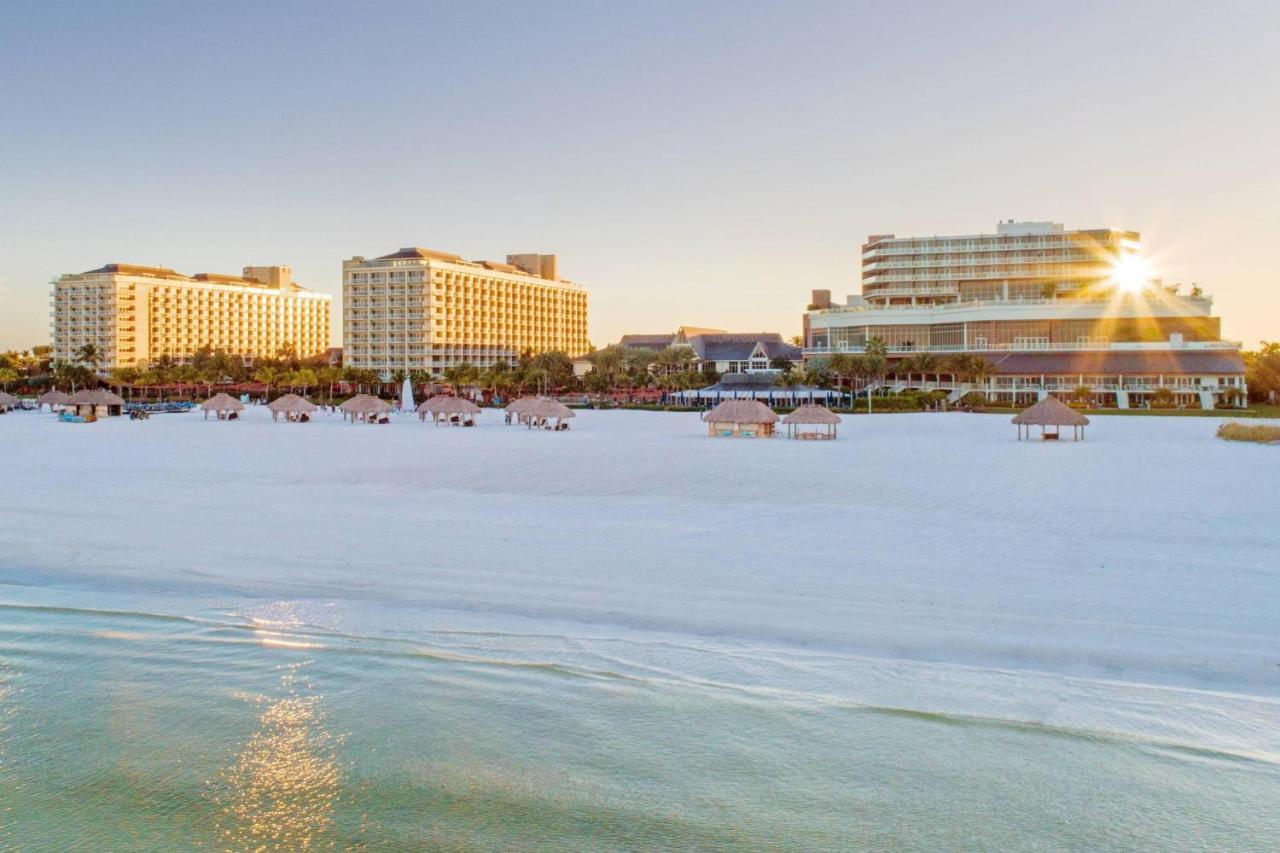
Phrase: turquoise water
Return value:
(131, 730)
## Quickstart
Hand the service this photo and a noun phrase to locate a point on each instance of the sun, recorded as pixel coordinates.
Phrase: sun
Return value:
(1131, 273)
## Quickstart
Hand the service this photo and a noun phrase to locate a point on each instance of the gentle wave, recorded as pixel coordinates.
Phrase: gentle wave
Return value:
(1206, 723)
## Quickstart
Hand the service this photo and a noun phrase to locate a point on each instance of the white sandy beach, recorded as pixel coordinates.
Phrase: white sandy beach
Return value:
(1127, 584)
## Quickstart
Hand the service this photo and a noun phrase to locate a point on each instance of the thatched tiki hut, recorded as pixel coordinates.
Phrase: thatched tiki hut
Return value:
(518, 410)
(293, 407)
(366, 408)
(744, 418)
(53, 399)
(449, 410)
(7, 402)
(812, 421)
(1050, 414)
(95, 403)
(223, 405)
(542, 412)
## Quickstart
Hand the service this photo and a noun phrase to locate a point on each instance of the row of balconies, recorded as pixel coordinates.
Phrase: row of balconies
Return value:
(984, 245)
(929, 263)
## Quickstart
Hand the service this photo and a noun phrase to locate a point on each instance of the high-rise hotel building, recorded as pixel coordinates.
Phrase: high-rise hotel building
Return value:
(419, 309)
(1050, 309)
(135, 314)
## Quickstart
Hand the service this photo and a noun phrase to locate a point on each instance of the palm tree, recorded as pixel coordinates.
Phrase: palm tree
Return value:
(89, 356)
(981, 370)
(842, 366)
(926, 363)
(328, 376)
(122, 376)
(7, 375)
(268, 375)
(957, 366)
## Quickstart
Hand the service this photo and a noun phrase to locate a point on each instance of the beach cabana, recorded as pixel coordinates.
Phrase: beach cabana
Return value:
(542, 412)
(813, 422)
(518, 410)
(224, 406)
(741, 418)
(7, 402)
(367, 408)
(458, 411)
(292, 407)
(95, 403)
(53, 399)
(1050, 414)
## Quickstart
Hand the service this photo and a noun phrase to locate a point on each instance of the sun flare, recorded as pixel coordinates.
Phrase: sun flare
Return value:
(1131, 273)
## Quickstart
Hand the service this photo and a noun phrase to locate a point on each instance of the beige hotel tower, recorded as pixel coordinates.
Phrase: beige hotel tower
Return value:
(419, 309)
(134, 314)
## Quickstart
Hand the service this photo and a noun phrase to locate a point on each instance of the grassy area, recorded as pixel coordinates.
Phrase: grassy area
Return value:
(1257, 433)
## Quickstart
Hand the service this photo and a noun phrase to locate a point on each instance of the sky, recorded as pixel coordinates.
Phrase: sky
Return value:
(695, 163)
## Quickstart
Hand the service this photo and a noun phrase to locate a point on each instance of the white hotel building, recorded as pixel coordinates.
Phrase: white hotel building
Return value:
(133, 315)
(1050, 309)
(419, 309)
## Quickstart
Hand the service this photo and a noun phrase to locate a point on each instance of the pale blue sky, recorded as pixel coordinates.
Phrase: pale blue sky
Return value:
(699, 163)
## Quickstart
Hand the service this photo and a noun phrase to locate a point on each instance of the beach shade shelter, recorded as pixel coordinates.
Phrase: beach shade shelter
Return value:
(744, 418)
(816, 422)
(7, 401)
(222, 405)
(53, 399)
(1050, 414)
(444, 409)
(96, 403)
(292, 407)
(519, 409)
(542, 412)
(365, 407)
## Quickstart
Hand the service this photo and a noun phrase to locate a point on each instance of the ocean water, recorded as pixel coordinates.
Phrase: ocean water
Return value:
(340, 638)
(127, 729)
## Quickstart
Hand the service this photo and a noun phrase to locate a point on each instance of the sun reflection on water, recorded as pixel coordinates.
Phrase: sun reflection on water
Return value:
(281, 789)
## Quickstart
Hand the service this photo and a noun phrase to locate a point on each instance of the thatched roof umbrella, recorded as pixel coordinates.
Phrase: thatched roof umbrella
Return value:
(95, 398)
(53, 398)
(520, 408)
(221, 404)
(443, 406)
(1051, 412)
(365, 406)
(543, 410)
(811, 415)
(7, 401)
(291, 406)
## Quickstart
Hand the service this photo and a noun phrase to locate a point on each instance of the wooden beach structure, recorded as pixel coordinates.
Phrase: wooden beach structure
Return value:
(53, 399)
(812, 422)
(518, 410)
(542, 412)
(8, 402)
(444, 409)
(741, 419)
(94, 403)
(292, 408)
(1050, 414)
(367, 408)
(224, 407)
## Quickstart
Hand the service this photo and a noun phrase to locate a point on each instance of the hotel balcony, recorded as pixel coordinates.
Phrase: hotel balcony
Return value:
(1034, 346)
